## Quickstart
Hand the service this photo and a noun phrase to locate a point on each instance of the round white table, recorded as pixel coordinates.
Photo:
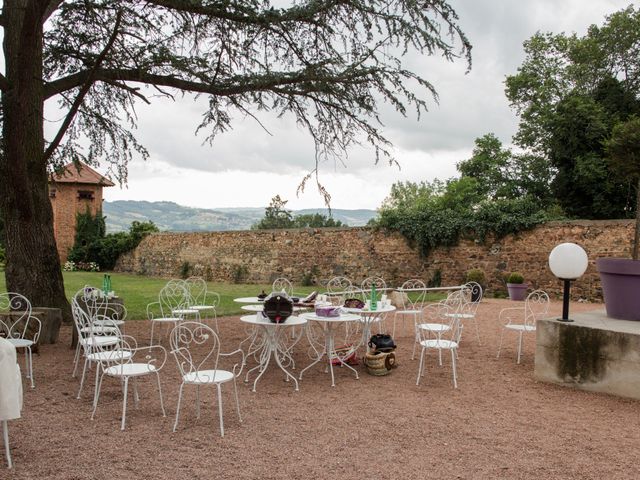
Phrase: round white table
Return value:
(249, 300)
(11, 391)
(260, 308)
(328, 325)
(368, 318)
(273, 344)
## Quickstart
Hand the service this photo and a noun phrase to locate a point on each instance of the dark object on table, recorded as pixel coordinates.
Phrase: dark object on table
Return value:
(382, 343)
(295, 299)
(278, 307)
(262, 296)
(353, 303)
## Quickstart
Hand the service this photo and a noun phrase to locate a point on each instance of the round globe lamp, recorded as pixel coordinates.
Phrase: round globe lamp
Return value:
(568, 262)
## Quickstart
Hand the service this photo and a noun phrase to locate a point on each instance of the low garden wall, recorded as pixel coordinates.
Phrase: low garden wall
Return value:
(315, 255)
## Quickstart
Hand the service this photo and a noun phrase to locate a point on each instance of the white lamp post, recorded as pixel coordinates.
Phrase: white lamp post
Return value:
(568, 262)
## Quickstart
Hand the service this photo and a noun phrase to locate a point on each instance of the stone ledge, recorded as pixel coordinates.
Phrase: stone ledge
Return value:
(594, 353)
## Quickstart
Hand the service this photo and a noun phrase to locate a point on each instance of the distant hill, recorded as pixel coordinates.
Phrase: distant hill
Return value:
(170, 216)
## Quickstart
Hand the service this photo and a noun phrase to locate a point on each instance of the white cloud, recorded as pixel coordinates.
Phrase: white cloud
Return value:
(247, 166)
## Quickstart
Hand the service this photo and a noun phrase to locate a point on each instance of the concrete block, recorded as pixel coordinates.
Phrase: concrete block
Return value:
(594, 353)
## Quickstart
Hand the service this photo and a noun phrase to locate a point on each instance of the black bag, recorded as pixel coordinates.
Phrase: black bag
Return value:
(382, 342)
(278, 307)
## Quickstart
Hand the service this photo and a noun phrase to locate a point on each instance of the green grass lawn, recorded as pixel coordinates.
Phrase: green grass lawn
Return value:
(138, 291)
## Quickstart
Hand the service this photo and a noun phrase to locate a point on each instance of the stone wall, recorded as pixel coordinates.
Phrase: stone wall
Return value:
(319, 254)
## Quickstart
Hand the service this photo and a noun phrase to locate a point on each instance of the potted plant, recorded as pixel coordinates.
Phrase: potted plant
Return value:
(620, 277)
(476, 275)
(516, 286)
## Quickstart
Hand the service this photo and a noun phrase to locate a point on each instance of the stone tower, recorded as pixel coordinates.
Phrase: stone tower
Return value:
(74, 190)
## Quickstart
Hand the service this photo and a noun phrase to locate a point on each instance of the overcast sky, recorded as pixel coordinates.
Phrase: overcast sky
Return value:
(246, 167)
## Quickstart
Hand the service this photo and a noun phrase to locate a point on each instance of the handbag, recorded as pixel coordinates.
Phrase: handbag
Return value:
(278, 307)
(382, 342)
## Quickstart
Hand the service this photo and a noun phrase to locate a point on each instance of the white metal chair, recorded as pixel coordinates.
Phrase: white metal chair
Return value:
(101, 317)
(172, 306)
(465, 308)
(446, 340)
(282, 285)
(201, 299)
(98, 342)
(142, 361)
(523, 319)
(21, 329)
(413, 294)
(470, 309)
(337, 289)
(433, 322)
(196, 348)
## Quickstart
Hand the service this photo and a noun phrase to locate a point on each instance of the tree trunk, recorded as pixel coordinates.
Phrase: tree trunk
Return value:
(32, 263)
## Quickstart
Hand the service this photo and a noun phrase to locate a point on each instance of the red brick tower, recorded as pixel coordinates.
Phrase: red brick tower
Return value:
(71, 192)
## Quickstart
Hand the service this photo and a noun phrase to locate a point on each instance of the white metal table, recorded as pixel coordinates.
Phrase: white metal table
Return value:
(249, 300)
(11, 391)
(273, 344)
(260, 308)
(369, 317)
(329, 325)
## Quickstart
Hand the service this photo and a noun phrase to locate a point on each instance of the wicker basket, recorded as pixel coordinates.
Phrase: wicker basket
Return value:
(379, 364)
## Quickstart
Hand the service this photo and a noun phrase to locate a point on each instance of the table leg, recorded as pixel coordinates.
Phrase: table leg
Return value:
(320, 354)
(270, 349)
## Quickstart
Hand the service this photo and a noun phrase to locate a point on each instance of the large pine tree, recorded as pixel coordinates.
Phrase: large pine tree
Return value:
(328, 62)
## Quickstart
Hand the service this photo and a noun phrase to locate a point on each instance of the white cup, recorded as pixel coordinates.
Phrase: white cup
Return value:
(367, 304)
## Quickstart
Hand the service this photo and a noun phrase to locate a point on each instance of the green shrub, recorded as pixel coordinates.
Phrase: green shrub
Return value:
(308, 279)
(93, 245)
(185, 270)
(240, 273)
(515, 277)
(436, 280)
(476, 275)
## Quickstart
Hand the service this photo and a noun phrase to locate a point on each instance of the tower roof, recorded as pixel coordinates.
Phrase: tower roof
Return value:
(83, 174)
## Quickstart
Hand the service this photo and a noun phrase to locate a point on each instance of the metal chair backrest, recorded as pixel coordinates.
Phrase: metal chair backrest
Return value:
(442, 314)
(369, 282)
(173, 296)
(196, 348)
(19, 320)
(457, 299)
(282, 285)
(536, 307)
(475, 290)
(196, 289)
(413, 295)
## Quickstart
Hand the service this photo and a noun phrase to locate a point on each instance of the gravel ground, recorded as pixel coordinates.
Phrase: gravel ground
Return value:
(499, 423)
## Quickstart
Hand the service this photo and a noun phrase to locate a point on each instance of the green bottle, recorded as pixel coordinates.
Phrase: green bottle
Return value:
(105, 284)
(374, 300)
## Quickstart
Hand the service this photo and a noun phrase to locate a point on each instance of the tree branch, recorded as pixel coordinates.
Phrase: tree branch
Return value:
(234, 86)
(90, 78)
(302, 13)
(51, 7)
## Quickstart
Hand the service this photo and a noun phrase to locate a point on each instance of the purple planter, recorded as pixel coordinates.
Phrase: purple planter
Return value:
(517, 291)
(620, 279)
